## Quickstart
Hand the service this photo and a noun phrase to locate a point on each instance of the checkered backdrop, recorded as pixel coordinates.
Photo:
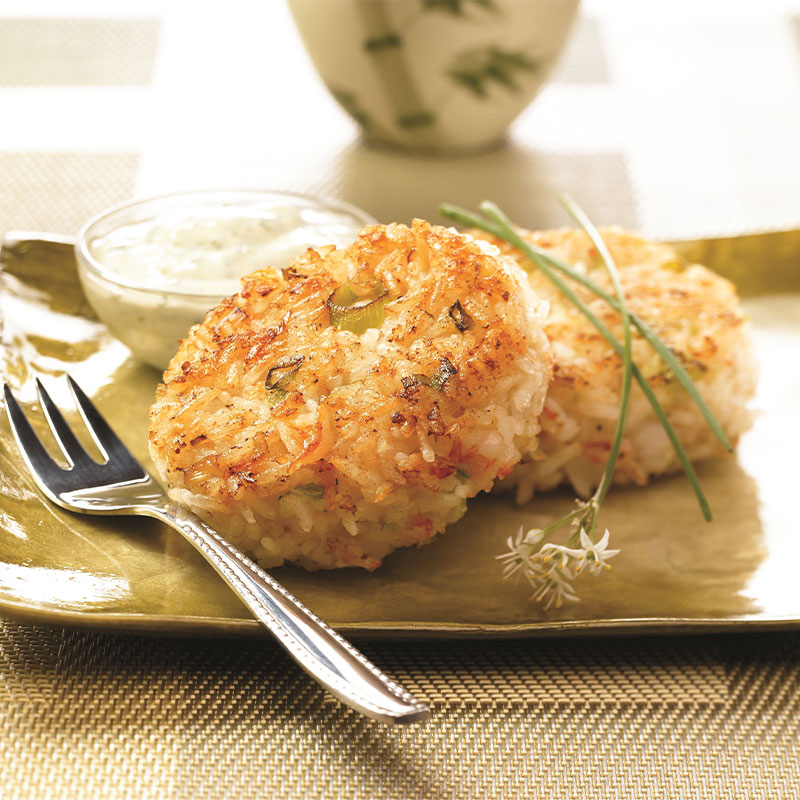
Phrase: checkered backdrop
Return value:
(680, 119)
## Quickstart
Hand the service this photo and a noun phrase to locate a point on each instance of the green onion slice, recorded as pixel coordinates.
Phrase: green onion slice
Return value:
(440, 377)
(460, 317)
(312, 490)
(280, 377)
(442, 374)
(417, 379)
(354, 309)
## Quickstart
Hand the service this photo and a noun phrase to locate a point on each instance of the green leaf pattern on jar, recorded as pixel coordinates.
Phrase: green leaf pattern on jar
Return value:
(478, 70)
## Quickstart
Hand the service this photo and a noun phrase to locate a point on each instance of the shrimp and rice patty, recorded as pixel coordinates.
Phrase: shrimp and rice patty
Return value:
(306, 442)
(697, 315)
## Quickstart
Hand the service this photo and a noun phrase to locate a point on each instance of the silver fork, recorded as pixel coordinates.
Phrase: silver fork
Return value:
(122, 486)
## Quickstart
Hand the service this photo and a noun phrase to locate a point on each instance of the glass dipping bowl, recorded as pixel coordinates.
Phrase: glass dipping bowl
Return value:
(141, 263)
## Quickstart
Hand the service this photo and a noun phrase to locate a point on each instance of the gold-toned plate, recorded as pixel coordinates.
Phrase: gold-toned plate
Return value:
(675, 571)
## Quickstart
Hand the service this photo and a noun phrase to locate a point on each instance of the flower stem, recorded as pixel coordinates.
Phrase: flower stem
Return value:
(554, 526)
(627, 357)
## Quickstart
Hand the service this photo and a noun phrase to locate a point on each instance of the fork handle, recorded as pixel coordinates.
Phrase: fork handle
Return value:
(317, 648)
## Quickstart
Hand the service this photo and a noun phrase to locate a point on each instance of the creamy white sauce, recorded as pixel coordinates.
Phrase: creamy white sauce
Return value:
(187, 257)
(206, 250)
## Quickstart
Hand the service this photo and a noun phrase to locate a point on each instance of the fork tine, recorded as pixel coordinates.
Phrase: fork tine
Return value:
(42, 466)
(105, 438)
(66, 439)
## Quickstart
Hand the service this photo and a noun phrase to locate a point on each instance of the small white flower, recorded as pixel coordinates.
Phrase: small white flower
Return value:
(532, 537)
(520, 551)
(553, 588)
(595, 555)
(513, 560)
(548, 571)
(559, 555)
(551, 569)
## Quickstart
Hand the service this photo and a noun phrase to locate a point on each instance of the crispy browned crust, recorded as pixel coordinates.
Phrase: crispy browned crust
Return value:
(691, 308)
(213, 430)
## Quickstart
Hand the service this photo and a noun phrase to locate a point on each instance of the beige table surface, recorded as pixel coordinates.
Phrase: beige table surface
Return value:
(679, 119)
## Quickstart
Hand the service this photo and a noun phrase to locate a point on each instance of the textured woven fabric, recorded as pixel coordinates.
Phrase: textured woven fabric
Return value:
(654, 120)
(29, 201)
(75, 52)
(682, 121)
(89, 715)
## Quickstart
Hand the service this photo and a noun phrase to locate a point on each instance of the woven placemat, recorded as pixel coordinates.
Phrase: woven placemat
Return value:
(92, 715)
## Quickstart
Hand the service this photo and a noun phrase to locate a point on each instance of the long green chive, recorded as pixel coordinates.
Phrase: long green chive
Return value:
(586, 516)
(666, 355)
(627, 357)
(500, 226)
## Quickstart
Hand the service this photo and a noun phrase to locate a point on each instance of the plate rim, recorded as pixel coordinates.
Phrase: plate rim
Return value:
(125, 623)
